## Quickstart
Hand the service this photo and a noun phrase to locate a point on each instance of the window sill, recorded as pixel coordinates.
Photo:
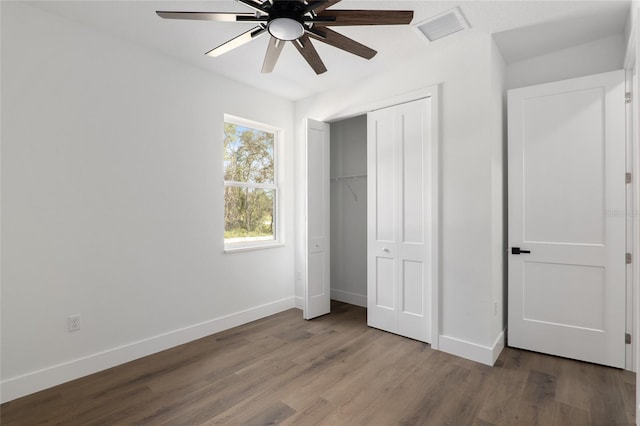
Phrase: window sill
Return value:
(238, 248)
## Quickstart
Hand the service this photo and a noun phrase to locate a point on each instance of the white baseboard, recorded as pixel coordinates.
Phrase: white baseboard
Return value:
(498, 346)
(35, 381)
(482, 354)
(348, 297)
(299, 302)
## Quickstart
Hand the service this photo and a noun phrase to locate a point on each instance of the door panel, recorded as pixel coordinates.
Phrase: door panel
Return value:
(316, 184)
(398, 240)
(558, 127)
(317, 284)
(566, 181)
(317, 279)
(412, 289)
(412, 177)
(551, 290)
(414, 252)
(385, 178)
(381, 219)
(385, 283)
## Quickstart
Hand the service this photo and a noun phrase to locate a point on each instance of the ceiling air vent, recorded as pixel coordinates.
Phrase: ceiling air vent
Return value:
(442, 25)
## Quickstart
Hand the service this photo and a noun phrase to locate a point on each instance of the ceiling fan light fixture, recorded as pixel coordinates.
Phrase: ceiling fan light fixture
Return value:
(285, 28)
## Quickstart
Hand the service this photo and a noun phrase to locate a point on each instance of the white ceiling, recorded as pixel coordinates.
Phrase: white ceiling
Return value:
(521, 28)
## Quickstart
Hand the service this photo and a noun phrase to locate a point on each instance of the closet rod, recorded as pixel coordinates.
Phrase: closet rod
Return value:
(348, 177)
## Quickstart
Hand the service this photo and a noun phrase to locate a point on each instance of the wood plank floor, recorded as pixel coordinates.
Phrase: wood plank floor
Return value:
(333, 370)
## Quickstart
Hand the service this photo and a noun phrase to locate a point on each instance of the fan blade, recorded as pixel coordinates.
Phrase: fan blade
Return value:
(309, 53)
(335, 39)
(204, 16)
(365, 17)
(255, 6)
(237, 41)
(320, 5)
(273, 53)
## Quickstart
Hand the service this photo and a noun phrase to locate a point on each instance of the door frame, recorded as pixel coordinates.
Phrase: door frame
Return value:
(631, 65)
(632, 210)
(432, 92)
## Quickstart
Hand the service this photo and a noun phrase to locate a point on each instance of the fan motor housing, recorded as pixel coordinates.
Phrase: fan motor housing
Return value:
(285, 28)
(286, 20)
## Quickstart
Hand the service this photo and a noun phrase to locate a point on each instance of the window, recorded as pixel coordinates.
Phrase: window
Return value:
(250, 184)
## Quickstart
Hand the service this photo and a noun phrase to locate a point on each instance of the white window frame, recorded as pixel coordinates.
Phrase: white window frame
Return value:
(278, 240)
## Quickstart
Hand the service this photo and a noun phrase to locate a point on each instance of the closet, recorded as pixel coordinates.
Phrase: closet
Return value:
(383, 212)
(349, 210)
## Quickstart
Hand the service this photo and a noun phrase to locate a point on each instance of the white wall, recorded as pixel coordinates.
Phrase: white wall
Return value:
(606, 54)
(349, 212)
(468, 145)
(113, 202)
(499, 202)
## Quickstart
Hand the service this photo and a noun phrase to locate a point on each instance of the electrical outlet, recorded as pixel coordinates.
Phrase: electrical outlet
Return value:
(73, 322)
(495, 309)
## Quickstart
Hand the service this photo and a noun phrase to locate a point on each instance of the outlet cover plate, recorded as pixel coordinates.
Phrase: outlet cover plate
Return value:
(73, 322)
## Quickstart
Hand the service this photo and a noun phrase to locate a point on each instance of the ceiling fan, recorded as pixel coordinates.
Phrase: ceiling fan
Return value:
(297, 21)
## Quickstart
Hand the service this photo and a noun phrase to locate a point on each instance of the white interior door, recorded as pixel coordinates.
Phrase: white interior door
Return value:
(398, 231)
(567, 217)
(317, 283)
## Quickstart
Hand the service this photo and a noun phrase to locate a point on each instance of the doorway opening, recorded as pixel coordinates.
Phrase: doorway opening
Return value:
(348, 210)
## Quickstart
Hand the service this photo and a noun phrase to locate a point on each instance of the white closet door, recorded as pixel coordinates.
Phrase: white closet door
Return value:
(382, 245)
(414, 206)
(317, 284)
(399, 202)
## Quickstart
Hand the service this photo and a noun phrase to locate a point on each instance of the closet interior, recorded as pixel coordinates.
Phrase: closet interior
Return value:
(349, 210)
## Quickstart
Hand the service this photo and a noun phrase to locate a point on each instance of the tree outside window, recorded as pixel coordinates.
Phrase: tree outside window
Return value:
(250, 184)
